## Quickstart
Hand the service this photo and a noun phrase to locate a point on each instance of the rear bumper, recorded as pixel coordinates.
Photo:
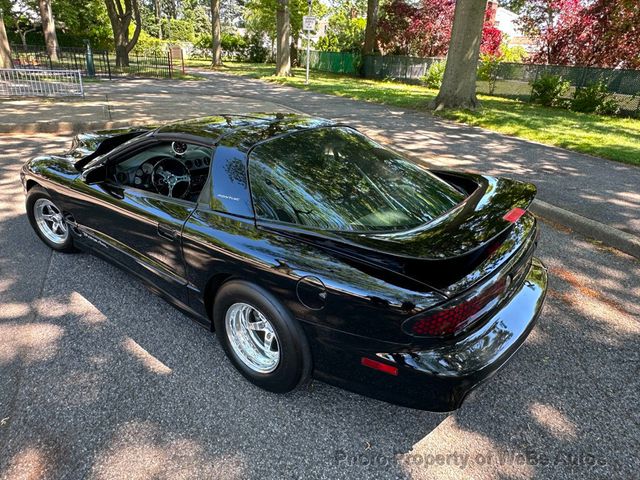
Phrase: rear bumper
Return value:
(440, 378)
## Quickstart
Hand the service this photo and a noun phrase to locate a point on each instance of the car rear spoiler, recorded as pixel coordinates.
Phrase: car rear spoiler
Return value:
(447, 249)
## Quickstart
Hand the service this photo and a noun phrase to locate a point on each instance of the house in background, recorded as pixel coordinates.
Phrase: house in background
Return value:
(507, 22)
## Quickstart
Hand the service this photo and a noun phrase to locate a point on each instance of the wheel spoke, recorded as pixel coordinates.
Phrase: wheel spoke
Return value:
(260, 325)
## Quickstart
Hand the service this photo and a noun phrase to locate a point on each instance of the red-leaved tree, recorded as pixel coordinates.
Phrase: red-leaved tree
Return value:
(601, 33)
(424, 30)
(491, 40)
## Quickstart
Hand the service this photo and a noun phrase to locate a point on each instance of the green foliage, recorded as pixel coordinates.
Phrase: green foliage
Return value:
(234, 46)
(260, 16)
(489, 69)
(548, 90)
(178, 30)
(75, 22)
(512, 54)
(256, 53)
(595, 98)
(434, 75)
(149, 45)
(345, 30)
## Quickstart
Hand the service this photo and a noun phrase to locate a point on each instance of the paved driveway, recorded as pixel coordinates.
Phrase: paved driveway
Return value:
(101, 379)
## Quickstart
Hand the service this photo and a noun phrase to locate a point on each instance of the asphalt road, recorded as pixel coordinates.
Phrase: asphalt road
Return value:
(101, 379)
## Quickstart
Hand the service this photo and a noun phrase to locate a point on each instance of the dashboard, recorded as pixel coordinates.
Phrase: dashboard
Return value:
(138, 170)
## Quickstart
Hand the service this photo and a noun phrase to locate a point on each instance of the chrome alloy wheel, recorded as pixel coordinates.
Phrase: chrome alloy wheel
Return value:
(50, 221)
(252, 338)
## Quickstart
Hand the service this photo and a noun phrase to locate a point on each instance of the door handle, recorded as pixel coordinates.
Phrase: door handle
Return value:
(165, 231)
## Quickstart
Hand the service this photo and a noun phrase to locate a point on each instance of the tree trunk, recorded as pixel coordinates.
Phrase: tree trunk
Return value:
(157, 13)
(216, 49)
(121, 16)
(49, 29)
(458, 88)
(5, 50)
(283, 28)
(370, 30)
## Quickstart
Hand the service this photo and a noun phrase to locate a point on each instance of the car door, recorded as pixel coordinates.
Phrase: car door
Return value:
(136, 227)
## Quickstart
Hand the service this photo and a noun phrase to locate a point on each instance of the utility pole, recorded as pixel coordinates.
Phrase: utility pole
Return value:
(306, 82)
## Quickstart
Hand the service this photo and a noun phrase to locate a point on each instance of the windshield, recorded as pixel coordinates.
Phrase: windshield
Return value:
(337, 179)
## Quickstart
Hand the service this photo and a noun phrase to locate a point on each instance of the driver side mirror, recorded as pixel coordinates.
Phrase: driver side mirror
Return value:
(95, 175)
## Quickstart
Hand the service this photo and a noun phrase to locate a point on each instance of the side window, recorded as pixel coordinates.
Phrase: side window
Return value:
(173, 169)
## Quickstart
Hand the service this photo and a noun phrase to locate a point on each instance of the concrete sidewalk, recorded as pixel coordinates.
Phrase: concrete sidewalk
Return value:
(598, 189)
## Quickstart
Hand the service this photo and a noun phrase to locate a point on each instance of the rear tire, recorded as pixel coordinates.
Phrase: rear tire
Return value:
(47, 220)
(261, 338)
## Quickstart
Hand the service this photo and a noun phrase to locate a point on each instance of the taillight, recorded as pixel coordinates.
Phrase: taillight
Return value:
(453, 318)
(514, 215)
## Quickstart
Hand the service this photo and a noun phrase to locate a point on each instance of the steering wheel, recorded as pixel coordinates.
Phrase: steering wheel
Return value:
(171, 178)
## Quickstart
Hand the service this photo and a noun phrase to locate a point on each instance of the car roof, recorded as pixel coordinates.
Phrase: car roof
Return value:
(242, 131)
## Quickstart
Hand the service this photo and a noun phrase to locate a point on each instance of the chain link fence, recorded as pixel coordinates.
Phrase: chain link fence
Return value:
(511, 80)
(397, 67)
(335, 62)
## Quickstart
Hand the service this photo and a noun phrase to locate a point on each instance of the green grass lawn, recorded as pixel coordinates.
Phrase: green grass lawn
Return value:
(609, 137)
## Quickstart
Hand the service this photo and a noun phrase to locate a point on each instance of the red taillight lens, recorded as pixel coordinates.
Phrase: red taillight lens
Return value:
(452, 319)
(514, 215)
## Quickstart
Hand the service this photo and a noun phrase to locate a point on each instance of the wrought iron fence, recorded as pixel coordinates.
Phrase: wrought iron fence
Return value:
(94, 64)
(29, 82)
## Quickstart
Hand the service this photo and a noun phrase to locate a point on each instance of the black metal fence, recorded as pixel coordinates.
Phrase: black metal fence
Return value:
(96, 63)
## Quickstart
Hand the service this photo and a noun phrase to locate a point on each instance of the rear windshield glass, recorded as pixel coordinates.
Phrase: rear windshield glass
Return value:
(337, 179)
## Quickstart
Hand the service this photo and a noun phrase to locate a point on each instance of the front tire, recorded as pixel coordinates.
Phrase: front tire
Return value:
(47, 220)
(261, 338)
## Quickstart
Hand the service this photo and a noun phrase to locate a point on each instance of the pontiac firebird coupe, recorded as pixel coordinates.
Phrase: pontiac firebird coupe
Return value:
(310, 249)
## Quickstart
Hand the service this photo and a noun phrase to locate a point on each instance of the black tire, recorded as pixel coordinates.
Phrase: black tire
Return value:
(294, 367)
(33, 195)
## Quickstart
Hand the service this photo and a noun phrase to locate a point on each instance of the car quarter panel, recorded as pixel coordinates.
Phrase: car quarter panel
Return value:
(346, 298)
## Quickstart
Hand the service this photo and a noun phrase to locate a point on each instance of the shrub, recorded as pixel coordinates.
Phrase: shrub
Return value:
(488, 70)
(148, 45)
(435, 74)
(548, 90)
(594, 98)
(256, 52)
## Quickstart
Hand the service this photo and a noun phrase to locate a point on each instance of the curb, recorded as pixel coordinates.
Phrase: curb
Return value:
(612, 237)
(66, 127)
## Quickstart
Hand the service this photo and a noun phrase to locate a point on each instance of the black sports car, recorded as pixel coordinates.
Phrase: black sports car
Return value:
(309, 248)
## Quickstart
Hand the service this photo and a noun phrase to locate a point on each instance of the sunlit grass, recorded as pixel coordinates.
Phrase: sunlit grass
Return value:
(608, 137)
